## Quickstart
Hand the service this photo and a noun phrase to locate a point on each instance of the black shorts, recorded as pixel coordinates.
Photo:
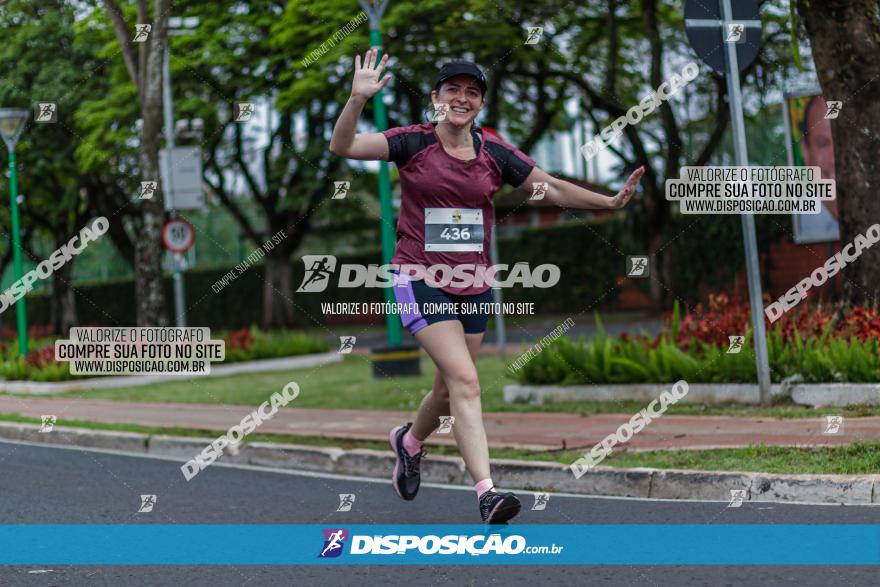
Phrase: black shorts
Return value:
(422, 305)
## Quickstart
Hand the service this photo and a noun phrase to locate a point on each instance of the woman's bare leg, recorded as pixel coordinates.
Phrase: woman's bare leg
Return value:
(436, 402)
(446, 343)
(434, 405)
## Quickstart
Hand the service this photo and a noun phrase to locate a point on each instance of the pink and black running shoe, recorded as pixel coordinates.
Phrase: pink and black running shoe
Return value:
(406, 477)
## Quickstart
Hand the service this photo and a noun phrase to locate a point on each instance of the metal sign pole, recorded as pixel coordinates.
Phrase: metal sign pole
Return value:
(705, 24)
(168, 112)
(748, 221)
(500, 330)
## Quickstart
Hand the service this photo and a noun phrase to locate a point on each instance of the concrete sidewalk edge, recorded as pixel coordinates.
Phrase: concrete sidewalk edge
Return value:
(816, 395)
(508, 474)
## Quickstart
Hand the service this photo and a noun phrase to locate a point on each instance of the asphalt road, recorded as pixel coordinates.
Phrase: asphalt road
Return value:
(42, 485)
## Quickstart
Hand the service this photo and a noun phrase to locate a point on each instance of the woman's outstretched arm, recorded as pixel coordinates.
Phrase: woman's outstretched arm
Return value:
(569, 195)
(346, 142)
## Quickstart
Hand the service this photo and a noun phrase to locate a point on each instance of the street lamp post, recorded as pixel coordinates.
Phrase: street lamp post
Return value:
(374, 11)
(395, 358)
(11, 126)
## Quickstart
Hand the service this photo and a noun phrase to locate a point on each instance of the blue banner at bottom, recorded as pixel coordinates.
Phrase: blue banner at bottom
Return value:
(625, 544)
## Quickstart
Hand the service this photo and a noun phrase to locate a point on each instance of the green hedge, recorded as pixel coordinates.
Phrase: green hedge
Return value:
(708, 250)
(238, 305)
(591, 256)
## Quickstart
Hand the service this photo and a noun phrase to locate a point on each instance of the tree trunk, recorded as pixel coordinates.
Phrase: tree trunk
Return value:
(659, 264)
(845, 40)
(62, 312)
(657, 217)
(278, 290)
(149, 292)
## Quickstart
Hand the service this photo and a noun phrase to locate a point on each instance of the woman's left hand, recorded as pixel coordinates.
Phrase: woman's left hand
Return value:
(629, 189)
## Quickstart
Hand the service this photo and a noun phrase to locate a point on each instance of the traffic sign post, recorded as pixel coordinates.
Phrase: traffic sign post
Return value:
(171, 156)
(715, 29)
(500, 328)
(178, 235)
(181, 171)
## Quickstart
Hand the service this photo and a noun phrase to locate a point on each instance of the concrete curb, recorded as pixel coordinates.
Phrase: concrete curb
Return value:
(836, 394)
(509, 474)
(817, 395)
(258, 366)
(107, 439)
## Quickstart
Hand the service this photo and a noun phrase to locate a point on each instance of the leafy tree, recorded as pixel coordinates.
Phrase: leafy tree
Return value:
(47, 66)
(239, 55)
(144, 61)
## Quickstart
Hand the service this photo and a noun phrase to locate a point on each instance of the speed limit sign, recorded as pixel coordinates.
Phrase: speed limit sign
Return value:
(178, 235)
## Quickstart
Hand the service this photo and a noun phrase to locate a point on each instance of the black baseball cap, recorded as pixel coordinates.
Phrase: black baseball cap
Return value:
(454, 68)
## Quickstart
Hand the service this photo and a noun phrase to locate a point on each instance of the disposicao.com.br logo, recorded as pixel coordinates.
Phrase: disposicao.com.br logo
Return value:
(334, 542)
(320, 268)
(450, 544)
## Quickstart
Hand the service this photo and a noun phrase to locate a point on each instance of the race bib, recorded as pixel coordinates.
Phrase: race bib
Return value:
(453, 230)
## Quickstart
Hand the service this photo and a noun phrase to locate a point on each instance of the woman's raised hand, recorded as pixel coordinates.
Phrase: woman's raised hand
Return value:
(629, 189)
(366, 80)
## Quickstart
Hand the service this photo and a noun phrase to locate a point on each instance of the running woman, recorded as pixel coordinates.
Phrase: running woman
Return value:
(449, 172)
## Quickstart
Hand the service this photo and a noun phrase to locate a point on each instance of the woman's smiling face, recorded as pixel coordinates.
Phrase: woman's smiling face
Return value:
(464, 97)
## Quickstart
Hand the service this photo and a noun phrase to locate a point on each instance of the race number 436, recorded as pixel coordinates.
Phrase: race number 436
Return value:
(455, 233)
(453, 229)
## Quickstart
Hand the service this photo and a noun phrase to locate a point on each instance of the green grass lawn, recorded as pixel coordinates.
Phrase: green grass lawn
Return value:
(853, 459)
(513, 334)
(350, 385)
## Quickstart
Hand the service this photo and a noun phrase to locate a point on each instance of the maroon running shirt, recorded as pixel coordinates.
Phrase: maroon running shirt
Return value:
(454, 191)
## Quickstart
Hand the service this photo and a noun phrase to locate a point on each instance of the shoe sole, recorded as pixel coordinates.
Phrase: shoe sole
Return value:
(504, 511)
(392, 440)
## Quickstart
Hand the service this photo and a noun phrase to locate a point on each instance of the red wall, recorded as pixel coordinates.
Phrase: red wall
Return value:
(789, 263)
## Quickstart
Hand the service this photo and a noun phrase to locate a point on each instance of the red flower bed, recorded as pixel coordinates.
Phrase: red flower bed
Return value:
(34, 331)
(724, 316)
(713, 324)
(41, 357)
(239, 340)
(807, 321)
(861, 322)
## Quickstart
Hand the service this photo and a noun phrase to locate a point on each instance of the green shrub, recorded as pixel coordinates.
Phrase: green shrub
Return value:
(261, 345)
(605, 360)
(590, 256)
(281, 343)
(19, 369)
